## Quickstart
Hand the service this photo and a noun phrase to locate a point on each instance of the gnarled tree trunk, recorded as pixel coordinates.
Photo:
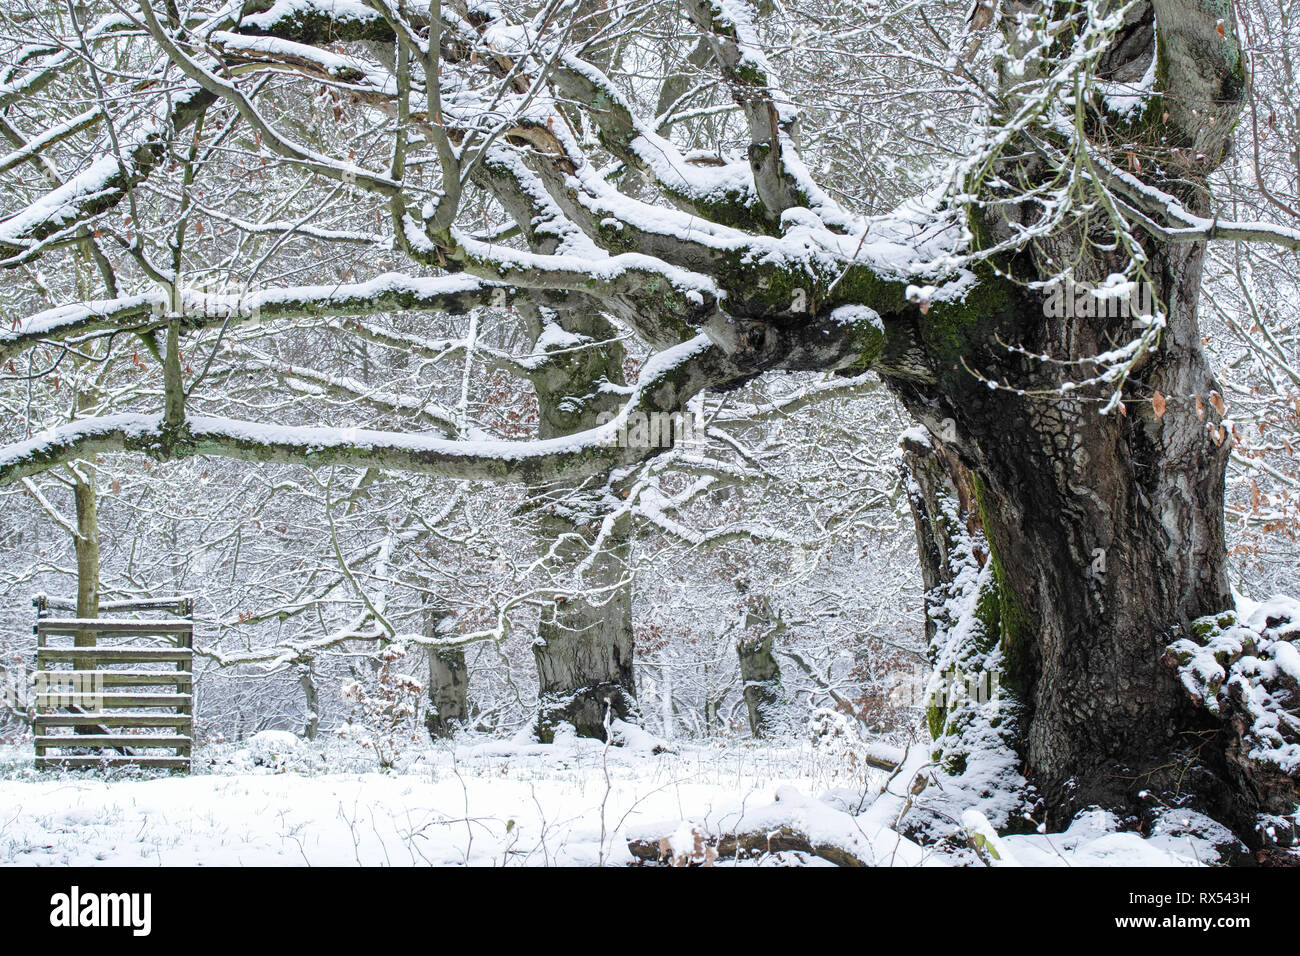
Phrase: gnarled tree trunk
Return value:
(1106, 530)
(760, 677)
(584, 645)
(1107, 538)
(448, 679)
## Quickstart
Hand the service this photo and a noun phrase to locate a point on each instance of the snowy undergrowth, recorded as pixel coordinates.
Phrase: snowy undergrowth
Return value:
(1246, 664)
(1243, 666)
(276, 800)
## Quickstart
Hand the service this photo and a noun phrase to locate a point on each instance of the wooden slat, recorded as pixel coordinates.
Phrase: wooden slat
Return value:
(113, 719)
(99, 626)
(114, 700)
(126, 678)
(141, 604)
(164, 641)
(114, 655)
(115, 760)
(111, 740)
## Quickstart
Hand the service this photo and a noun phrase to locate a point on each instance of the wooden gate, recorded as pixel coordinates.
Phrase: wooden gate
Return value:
(113, 693)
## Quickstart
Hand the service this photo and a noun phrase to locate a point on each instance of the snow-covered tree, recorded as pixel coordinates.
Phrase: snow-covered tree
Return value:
(614, 172)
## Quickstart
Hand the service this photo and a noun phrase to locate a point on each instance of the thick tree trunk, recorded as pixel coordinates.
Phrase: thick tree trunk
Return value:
(86, 545)
(311, 694)
(87, 549)
(584, 644)
(760, 677)
(448, 692)
(448, 680)
(1105, 530)
(1107, 540)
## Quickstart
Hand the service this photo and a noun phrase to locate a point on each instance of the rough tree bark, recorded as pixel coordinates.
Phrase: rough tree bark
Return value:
(1106, 530)
(87, 550)
(760, 677)
(448, 686)
(311, 698)
(86, 543)
(760, 673)
(937, 476)
(584, 647)
(448, 680)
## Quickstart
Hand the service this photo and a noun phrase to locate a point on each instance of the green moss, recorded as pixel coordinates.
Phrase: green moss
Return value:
(954, 329)
(1015, 624)
(861, 285)
(748, 72)
(1017, 636)
(1205, 629)
(869, 342)
(934, 718)
(988, 611)
(316, 27)
(614, 238)
(762, 289)
(734, 208)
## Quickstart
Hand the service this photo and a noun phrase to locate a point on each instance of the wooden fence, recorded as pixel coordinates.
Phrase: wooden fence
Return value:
(115, 692)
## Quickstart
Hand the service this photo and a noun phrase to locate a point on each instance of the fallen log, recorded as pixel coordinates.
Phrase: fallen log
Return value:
(793, 822)
(709, 849)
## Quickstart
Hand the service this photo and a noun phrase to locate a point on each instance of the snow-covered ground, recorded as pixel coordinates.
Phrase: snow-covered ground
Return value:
(278, 801)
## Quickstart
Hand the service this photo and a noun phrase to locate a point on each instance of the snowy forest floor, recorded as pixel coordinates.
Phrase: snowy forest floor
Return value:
(277, 801)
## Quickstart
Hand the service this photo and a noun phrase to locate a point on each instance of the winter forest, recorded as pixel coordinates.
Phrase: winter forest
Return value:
(650, 432)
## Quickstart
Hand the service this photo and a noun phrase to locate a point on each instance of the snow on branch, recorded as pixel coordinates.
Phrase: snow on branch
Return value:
(668, 380)
(44, 62)
(724, 193)
(780, 176)
(390, 292)
(101, 185)
(56, 134)
(1146, 202)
